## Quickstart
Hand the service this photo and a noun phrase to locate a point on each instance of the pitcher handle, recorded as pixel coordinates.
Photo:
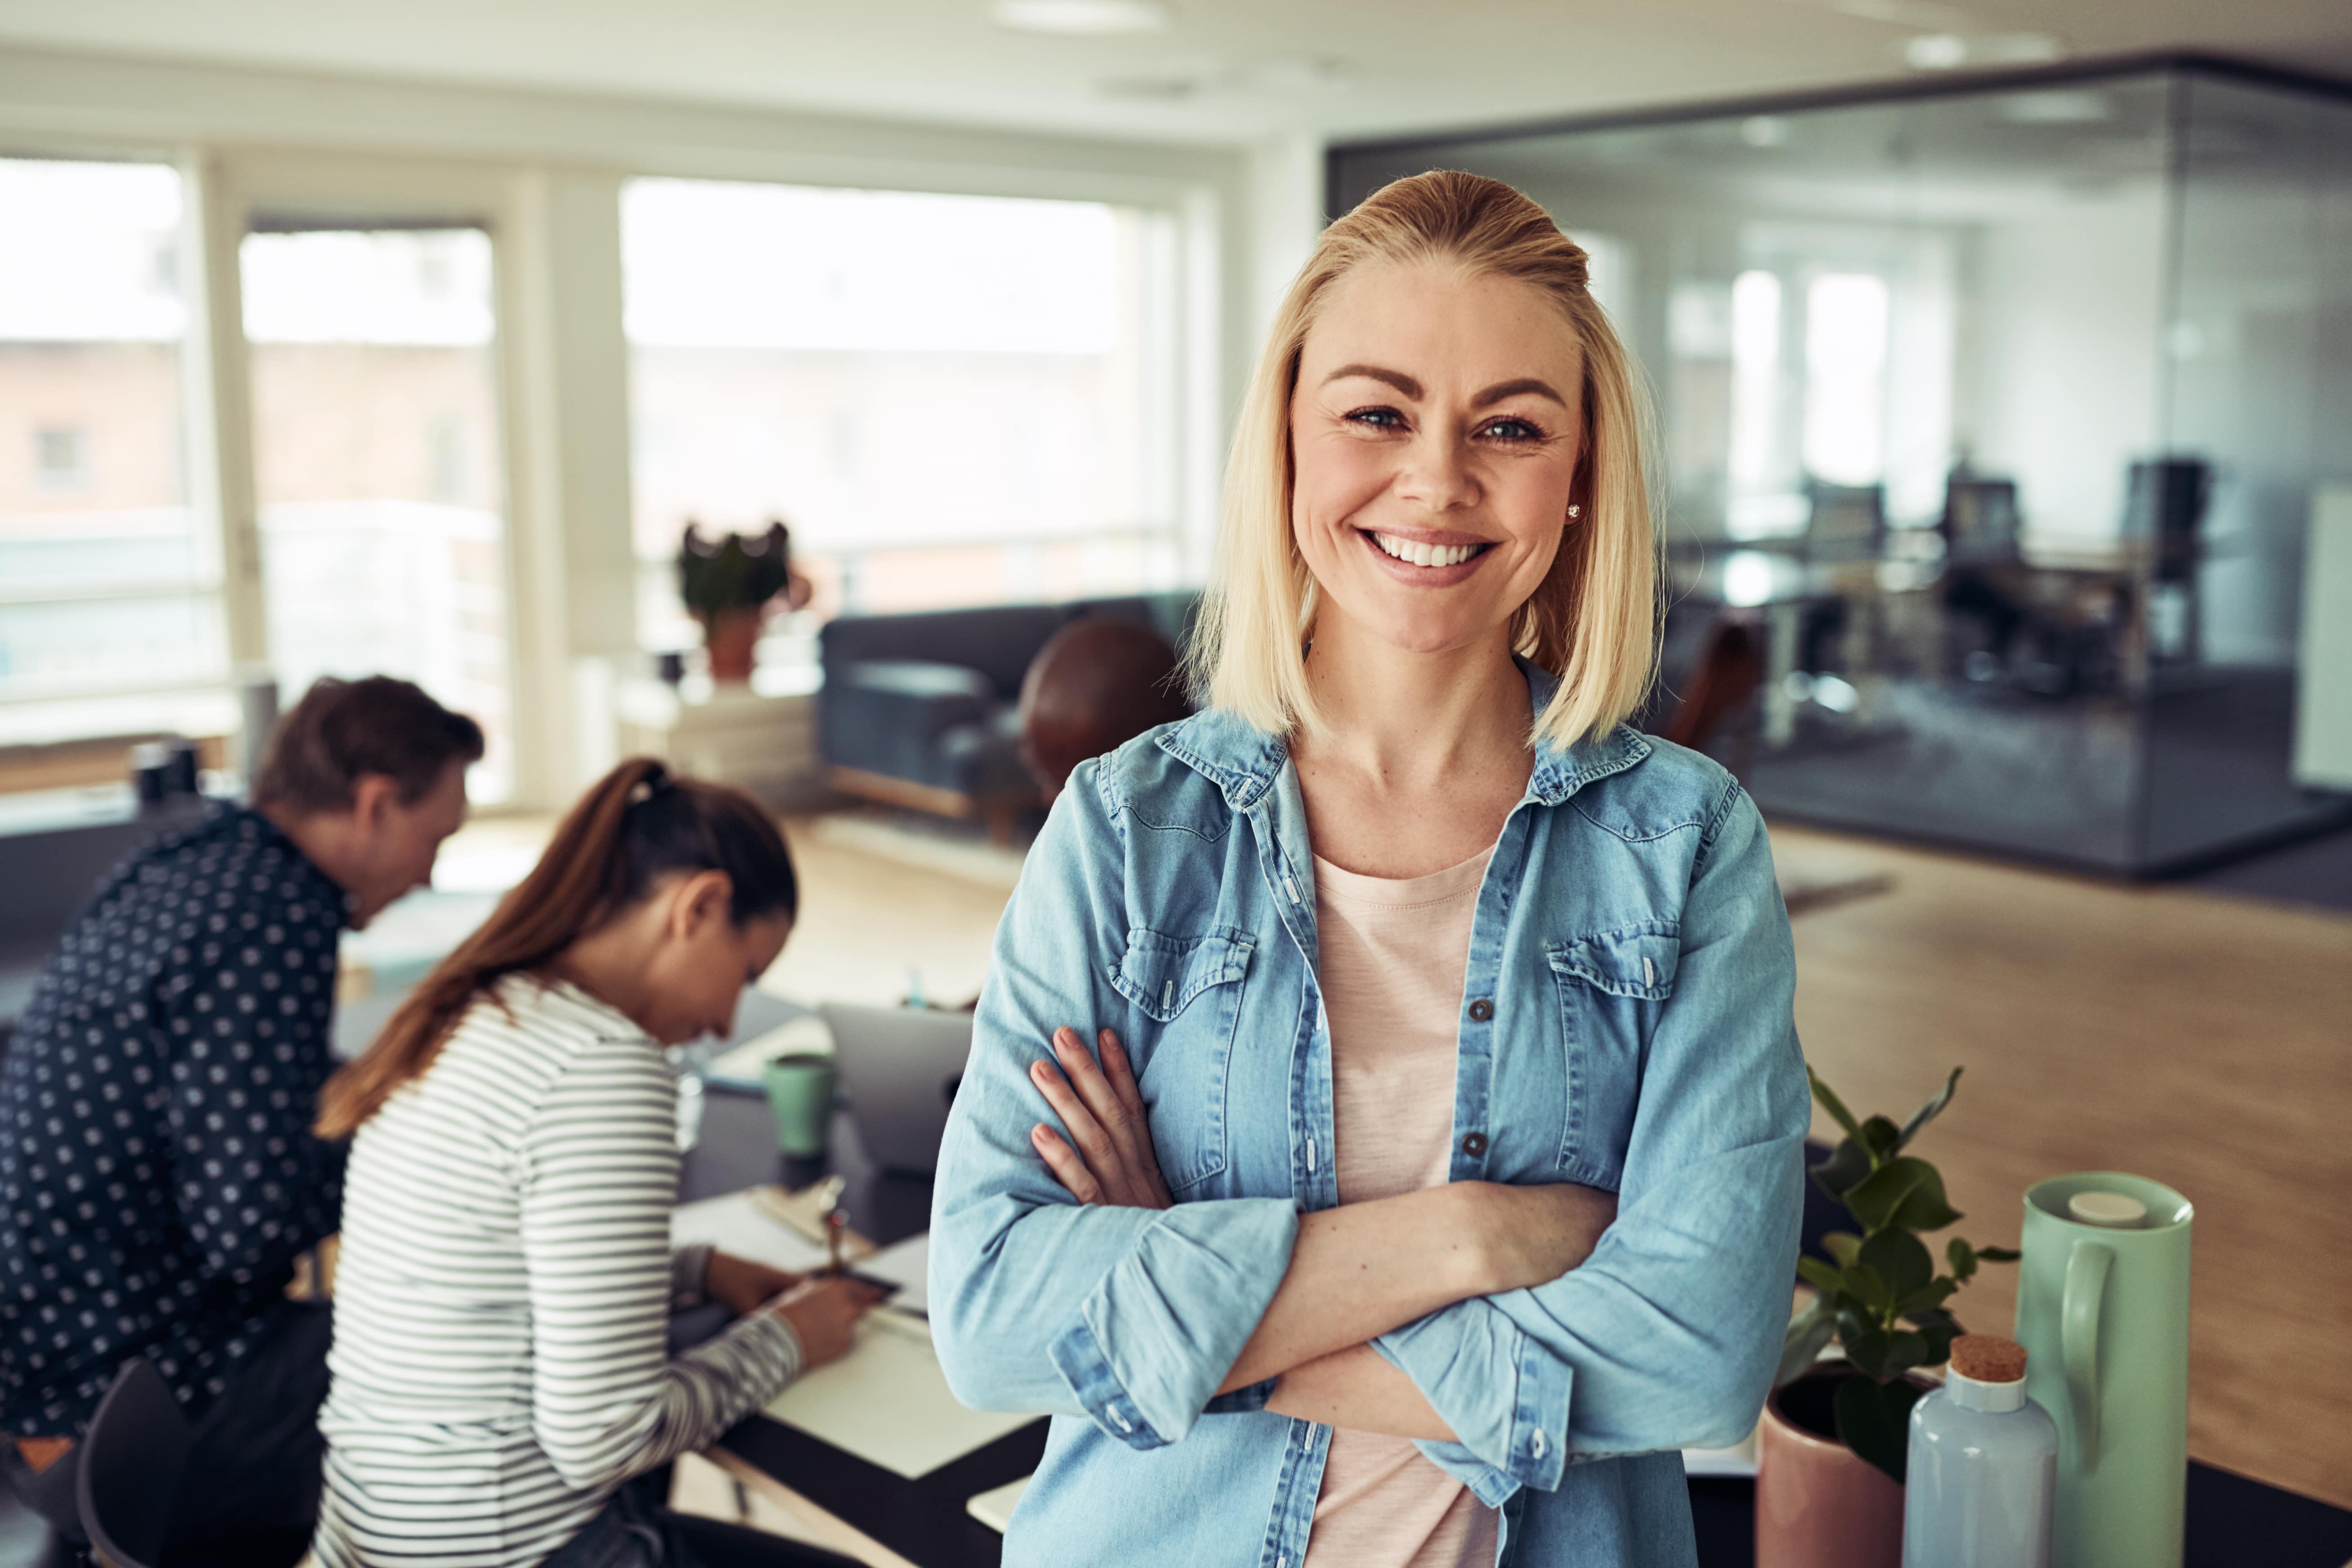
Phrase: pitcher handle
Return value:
(2086, 1289)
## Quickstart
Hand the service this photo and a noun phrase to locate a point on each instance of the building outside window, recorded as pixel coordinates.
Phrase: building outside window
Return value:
(61, 459)
(377, 465)
(109, 607)
(998, 429)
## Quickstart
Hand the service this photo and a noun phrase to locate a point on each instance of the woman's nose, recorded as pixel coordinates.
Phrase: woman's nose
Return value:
(1436, 474)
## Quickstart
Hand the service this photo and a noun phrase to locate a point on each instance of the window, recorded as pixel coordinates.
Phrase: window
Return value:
(109, 611)
(992, 430)
(376, 460)
(1839, 348)
(1845, 366)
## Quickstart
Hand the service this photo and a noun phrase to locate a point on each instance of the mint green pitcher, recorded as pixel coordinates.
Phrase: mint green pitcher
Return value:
(2103, 1313)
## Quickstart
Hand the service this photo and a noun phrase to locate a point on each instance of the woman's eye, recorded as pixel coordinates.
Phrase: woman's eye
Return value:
(1513, 430)
(1377, 418)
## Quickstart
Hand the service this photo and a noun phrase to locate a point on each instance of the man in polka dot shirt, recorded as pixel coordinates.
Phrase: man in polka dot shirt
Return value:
(158, 1176)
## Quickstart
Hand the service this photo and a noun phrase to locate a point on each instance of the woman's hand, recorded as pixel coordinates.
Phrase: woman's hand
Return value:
(823, 1313)
(742, 1286)
(1532, 1236)
(1114, 1164)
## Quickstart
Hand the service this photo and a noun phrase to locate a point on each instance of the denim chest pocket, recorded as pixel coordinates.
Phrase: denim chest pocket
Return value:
(1613, 987)
(1188, 990)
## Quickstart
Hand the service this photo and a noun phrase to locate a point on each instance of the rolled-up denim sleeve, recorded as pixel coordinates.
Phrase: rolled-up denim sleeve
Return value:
(1668, 1335)
(1131, 1316)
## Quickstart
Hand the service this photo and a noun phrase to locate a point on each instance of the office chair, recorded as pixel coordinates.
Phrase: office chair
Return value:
(2164, 511)
(1980, 523)
(1848, 521)
(2165, 502)
(131, 1465)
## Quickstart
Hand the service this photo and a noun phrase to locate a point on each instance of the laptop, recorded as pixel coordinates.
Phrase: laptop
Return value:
(900, 1067)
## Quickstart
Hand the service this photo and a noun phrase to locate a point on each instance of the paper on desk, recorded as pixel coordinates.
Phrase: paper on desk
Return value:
(993, 1508)
(907, 1265)
(888, 1402)
(736, 1224)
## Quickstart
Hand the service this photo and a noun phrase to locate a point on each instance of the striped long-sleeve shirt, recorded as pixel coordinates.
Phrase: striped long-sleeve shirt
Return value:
(501, 1307)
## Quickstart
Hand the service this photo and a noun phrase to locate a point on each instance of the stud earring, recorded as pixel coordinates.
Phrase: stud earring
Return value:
(1575, 512)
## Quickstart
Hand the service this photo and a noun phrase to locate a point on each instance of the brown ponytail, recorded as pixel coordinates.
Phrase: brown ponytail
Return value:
(637, 825)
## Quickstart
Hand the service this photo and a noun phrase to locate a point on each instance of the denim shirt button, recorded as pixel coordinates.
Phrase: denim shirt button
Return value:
(1481, 1010)
(1475, 1144)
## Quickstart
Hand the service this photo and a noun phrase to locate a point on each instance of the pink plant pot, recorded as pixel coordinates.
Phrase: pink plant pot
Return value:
(1818, 1503)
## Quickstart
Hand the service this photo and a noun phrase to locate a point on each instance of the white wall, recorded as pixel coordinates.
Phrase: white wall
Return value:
(2059, 387)
(1286, 218)
(547, 168)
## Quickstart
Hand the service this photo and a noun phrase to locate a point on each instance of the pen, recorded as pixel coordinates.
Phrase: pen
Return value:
(836, 1221)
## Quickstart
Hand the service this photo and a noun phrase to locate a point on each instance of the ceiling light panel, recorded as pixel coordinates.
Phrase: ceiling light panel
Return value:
(1954, 51)
(1082, 18)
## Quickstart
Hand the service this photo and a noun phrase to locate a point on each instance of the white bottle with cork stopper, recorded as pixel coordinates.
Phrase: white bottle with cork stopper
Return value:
(1983, 1465)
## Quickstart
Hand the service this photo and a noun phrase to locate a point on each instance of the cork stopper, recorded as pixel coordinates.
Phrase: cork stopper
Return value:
(1988, 1358)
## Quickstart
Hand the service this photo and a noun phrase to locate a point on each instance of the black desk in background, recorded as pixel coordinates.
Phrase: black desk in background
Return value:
(2233, 1522)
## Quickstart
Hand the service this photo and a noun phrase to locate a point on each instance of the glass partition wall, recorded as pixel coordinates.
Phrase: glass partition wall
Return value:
(1992, 416)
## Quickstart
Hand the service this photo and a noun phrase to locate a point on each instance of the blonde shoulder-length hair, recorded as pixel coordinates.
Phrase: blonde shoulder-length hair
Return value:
(1594, 619)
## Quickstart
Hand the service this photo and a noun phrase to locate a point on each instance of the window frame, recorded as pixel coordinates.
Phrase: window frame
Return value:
(553, 215)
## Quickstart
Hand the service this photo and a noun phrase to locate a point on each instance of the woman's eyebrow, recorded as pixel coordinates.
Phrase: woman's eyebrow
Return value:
(1395, 378)
(1412, 388)
(1502, 389)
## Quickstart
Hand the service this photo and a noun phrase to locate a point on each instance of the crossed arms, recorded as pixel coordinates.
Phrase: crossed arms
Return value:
(1355, 1272)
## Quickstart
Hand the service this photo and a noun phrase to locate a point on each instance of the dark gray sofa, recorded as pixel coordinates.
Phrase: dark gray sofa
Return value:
(920, 710)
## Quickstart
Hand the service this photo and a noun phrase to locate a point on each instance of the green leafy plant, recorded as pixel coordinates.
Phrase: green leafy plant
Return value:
(1882, 1300)
(734, 572)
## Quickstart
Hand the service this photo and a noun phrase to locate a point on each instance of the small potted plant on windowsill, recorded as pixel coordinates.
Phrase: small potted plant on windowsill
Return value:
(1829, 1483)
(727, 584)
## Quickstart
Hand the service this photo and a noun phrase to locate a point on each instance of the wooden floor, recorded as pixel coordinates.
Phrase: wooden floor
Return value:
(2201, 1039)
(866, 920)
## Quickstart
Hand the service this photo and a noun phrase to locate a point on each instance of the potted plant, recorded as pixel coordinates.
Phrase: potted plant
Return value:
(727, 584)
(1831, 1447)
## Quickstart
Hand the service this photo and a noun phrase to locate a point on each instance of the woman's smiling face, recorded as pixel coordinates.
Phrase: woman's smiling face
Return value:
(1434, 433)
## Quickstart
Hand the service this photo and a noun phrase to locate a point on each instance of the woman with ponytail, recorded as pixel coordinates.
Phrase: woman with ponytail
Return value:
(500, 1365)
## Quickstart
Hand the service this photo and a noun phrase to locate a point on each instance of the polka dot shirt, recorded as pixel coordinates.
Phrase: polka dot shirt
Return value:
(157, 1173)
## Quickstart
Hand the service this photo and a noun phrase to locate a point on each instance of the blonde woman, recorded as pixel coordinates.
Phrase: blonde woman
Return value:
(1434, 1172)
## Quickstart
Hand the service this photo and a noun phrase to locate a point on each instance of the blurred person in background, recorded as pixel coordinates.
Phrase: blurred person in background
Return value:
(158, 1175)
(501, 1365)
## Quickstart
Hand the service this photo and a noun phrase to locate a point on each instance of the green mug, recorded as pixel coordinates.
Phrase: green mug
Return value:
(2103, 1313)
(800, 1093)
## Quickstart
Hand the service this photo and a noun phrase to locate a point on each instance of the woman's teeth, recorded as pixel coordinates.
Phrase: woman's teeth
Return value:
(1425, 555)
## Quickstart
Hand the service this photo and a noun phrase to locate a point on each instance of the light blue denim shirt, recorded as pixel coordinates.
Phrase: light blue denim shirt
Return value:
(1625, 1023)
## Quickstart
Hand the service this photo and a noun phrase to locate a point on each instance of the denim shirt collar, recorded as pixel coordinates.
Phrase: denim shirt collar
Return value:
(1244, 761)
